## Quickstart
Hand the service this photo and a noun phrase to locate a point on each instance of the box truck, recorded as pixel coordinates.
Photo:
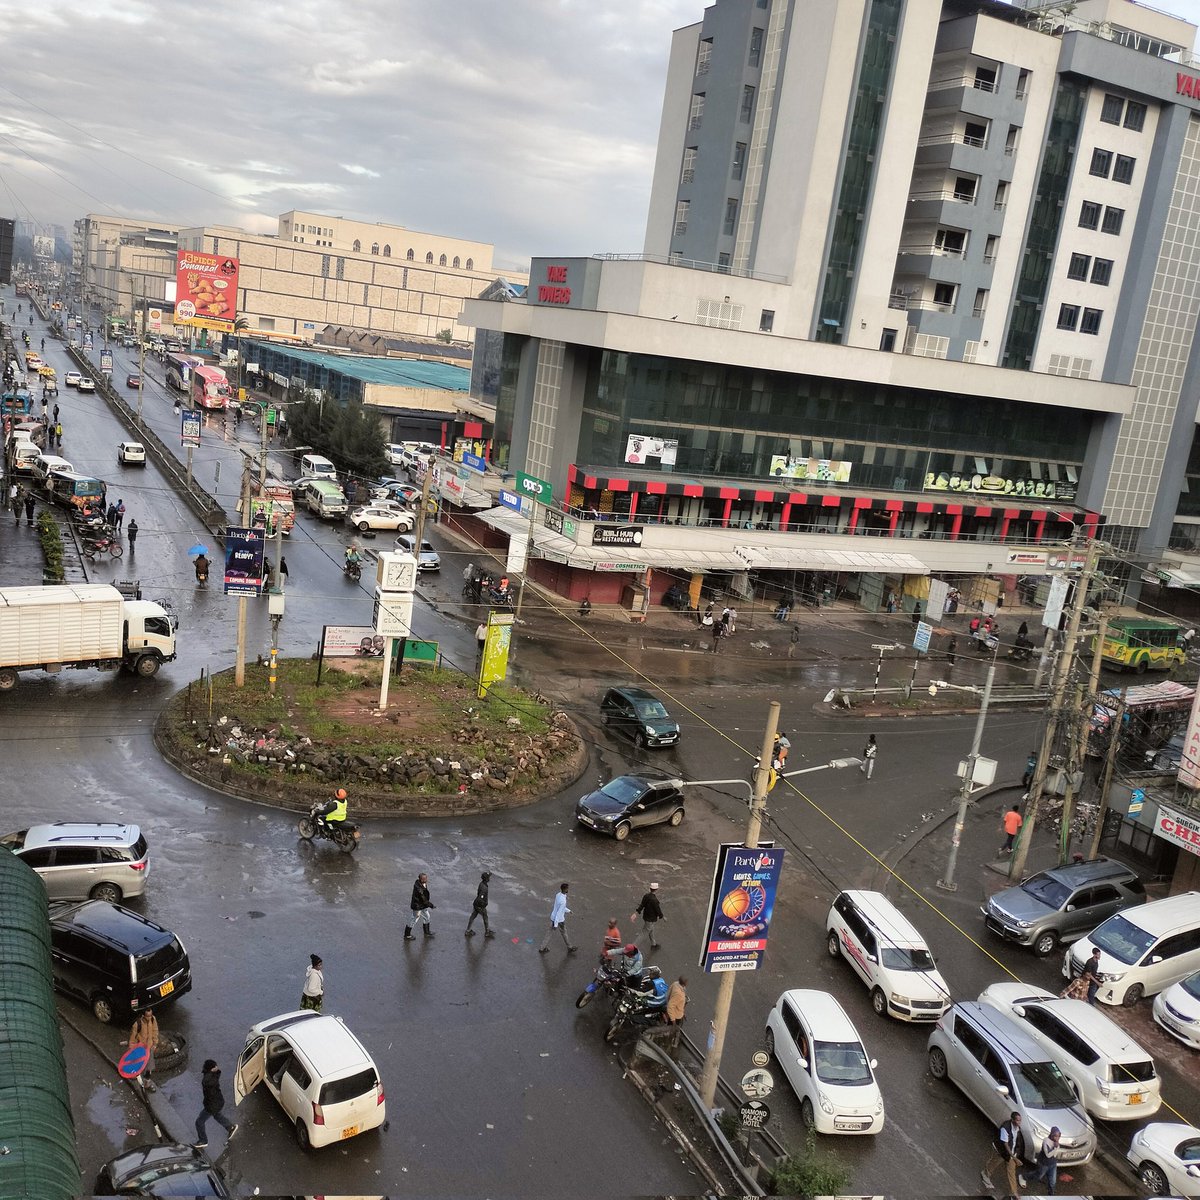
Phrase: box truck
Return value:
(80, 625)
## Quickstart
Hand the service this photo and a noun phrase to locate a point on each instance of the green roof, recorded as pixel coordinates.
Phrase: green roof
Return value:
(37, 1133)
(394, 372)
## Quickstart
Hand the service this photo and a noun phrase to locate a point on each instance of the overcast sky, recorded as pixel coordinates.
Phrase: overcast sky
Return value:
(530, 124)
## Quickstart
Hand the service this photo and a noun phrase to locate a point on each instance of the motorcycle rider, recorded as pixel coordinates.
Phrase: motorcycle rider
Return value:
(333, 812)
(353, 558)
(625, 961)
(201, 570)
(655, 1002)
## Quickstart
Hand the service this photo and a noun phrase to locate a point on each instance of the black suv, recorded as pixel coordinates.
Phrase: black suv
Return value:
(115, 961)
(639, 715)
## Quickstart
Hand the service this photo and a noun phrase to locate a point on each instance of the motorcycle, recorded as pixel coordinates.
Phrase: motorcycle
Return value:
(1022, 650)
(104, 544)
(202, 577)
(499, 598)
(635, 1010)
(606, 981)
(343, 834)
(352, 570)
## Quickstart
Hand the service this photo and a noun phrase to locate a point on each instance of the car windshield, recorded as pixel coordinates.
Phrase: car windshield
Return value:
(339, 1091)
(842, 1063)
(157, 964)
(898, 958)
(1043, 1085)
(624, 789)
(1191, 985)
(1048, 891)
(1121, 938)
(651, 710)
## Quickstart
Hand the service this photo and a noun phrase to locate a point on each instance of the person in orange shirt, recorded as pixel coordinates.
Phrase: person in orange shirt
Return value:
(1012, 824)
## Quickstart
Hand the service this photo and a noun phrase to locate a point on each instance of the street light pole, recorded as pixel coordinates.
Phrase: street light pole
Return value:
(946, 883)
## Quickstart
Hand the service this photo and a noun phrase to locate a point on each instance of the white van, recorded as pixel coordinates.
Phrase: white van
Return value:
(317, 466)
(324, 499)
(23, 455)
(889, 955)
(45, 463)
(1142, 950)
(322, 1076)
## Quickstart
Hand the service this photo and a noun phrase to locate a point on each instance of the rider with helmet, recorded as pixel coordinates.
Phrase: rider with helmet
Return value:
(333, 811)
(352, 558)
(624, 960)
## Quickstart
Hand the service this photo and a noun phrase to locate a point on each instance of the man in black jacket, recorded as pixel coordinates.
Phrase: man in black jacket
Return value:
(420, 908)
(650, 910)
(214, 1102)
(479, 906)
(1008, 1147)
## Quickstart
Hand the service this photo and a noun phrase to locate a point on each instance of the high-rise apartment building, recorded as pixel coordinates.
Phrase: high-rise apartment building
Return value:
(929, 247)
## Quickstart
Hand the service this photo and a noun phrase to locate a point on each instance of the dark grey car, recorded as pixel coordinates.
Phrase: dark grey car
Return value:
(639, 715)
(629, 802)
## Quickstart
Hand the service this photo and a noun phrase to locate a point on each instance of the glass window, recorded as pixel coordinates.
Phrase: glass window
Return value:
(1102, 271)
(1110, 113)
(900, 958)
(756, 41)
(682, 208)
(357, 247)
(842, 1064)
(1135, 116)
(387, 252)
(429, 259)
(1089, 215)
(1123, 169)
(1121, 938)
(747, 103)
(688, 173)
(1079, 266)
(1113, 218)
(456, 260)
(1043, 1085)
(739, 159)
(731, 208)
(1068, 318)
(766, 322)
(37, 858)
(1043, 887)
(1101, 163)
(470, 264)
(410, 255)
(442, 261)
(75, 856)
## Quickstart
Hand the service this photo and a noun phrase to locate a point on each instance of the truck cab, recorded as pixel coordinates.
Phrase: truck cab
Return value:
(149, 636)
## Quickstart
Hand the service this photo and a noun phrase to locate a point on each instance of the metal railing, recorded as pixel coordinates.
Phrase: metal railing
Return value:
(945, 194)
(957, 81)
(933, 248)
(694, 264)
(946, 139)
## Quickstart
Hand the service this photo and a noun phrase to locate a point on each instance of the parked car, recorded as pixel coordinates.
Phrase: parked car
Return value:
(1002, 1070)
(1177, 1010)
(72, 378)
(133, 380)
(115, 961)
(161, 1170)
(429, 559)
(86, 384)
(321, 1075)
(393, 490)
(380, 516)
(1114, 1076)
(1166, 1157)
(630, 802)
(131, 454)
(394, 453)
(888, 954)
(1062, 904)
(824, 1060)
(78, 859)
(638, 715)
(45, 463)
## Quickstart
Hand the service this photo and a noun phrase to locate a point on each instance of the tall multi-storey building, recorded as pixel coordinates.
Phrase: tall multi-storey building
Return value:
(922, 269)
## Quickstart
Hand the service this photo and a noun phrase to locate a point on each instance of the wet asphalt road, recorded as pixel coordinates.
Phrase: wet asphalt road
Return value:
(478, 1043)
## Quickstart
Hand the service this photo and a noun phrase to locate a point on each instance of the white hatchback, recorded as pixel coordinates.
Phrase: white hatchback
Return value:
(388, 515)
(72, 378)
(321, 1074)
(1177, 1009)
(1166, 1157)
(823, 1058)
(131, 454)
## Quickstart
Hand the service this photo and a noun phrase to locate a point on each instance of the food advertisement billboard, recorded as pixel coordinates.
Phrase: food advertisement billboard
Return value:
(206, 290)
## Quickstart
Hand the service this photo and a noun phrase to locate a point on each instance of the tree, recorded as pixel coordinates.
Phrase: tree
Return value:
(348, 435)
(445, 335)
(241, 324)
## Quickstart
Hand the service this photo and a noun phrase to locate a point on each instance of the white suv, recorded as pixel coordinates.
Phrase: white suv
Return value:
(325, 1081)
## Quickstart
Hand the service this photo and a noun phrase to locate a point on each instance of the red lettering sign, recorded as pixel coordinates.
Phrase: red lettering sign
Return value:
(556, 274)
(1187, 85)
(553, 295)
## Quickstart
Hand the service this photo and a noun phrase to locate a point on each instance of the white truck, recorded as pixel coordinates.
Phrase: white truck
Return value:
(80, 625)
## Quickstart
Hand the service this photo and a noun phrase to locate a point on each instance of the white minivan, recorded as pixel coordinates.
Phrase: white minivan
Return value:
(888, 954)
(1142, 950)
(321, 1074)
(317, 466)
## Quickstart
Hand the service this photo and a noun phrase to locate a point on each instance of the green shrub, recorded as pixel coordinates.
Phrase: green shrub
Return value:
(810, 1172)
(52, 545)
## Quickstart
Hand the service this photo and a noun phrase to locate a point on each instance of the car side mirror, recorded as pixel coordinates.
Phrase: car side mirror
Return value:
(1070, 908)
(874, 1064)
(1018, 1010)
(1002, 1089)
(804, 1062)
(1194, 1170)
(1156, 959)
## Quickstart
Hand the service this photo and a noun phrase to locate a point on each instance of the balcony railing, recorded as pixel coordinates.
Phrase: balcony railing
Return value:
(947, 139)
(957, 81)
(1000, 205)
(916, 304)
(931, 248)
(945, 194)
(979, 311)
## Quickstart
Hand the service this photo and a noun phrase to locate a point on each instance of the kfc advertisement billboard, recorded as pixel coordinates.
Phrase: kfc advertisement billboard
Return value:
(206, 290)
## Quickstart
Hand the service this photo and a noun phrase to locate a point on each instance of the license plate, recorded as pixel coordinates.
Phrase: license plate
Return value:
(1137, 1098)
(167, 988)
(349, 1131)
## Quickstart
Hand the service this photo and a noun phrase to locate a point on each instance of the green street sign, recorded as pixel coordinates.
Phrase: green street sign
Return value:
(417, 651)
(537, 489)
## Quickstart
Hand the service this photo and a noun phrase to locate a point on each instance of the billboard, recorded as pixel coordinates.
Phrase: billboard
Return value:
(244, 562)
(189, 427)
(641, 449)
(816, 470)
(740, 907)
(206, 290)
(352, 641)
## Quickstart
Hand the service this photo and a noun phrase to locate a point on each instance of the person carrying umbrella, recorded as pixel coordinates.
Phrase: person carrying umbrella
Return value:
(200, 554)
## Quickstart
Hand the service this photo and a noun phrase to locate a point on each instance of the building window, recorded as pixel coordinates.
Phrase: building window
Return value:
(470, 264)
(975, 134)
(1090, 321)
(681, 217)
(944, 296)
(1079, 266)
(756, 41)
(1089, 215)
(703, 55)
(747, 103)
(1113, 217)
(766, 321)
(964, 189)
(950, 241)
(456, 262)
(442, 261)
(1101, 163)
(387, 252)
(1110, 113)
(1102, 271)
(429, 258)
(1135, 116)
(989, 247)
(731, 207)
(1068, 316)
(688, 174)
(341, 268)
(723, 259)
(887, 340)
(267, 324)
(739, 159)
(357, 247)
(1022, 84)
(325, 265)
(981, 299)
(410, 255)
(1011, 139)
(696, 115)
(1001, 200)
(1123, 169)
(985, 79)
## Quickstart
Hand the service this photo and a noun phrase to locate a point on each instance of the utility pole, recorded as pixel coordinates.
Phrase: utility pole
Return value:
(946, 883)
(142, 354)
(239, 670)
(1016, 864)
(758, 806)
(1110, 761)
(1081, 728)
(419, 531)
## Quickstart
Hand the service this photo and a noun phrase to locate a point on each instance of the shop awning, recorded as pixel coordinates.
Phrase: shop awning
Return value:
(811, 558)
(1179, 577)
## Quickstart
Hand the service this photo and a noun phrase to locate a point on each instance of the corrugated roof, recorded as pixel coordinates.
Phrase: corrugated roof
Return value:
(394, 372)
(36, 1129)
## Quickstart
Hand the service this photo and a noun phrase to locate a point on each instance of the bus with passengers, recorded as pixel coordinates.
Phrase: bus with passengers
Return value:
(75, 490)
(209, 388)
(179, 368)
(1142, 643)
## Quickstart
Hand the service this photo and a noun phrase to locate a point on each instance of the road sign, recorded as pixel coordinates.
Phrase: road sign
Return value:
(133, 1062)
(921, 637)
(757, 1084)
(538, 489)
(1137, 797)
(760, 1058)
(754, 1114)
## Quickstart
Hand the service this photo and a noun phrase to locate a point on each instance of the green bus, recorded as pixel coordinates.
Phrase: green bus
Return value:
(1141, 643)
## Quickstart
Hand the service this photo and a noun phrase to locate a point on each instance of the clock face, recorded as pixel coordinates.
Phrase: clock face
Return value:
(397, 572)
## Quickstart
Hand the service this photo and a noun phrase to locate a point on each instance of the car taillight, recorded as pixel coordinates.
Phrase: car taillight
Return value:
(379, 1092)
(318, 1115)
(139, 866)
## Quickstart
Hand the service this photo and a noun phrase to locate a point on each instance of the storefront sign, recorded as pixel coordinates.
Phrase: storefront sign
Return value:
(999, 485)
(627, 568)
(555, 289)
(474, 462)
(1055, 599)
(510, 500)
(244, 561)
(532, 486)
(819, 470)
(1180, 828)
(1189, 757)
(392, 614)
(1187, 85)
(554, 520)
(739, 913)
(617, 535)
(1026, 558)
(640, 449)
(1061, 560)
